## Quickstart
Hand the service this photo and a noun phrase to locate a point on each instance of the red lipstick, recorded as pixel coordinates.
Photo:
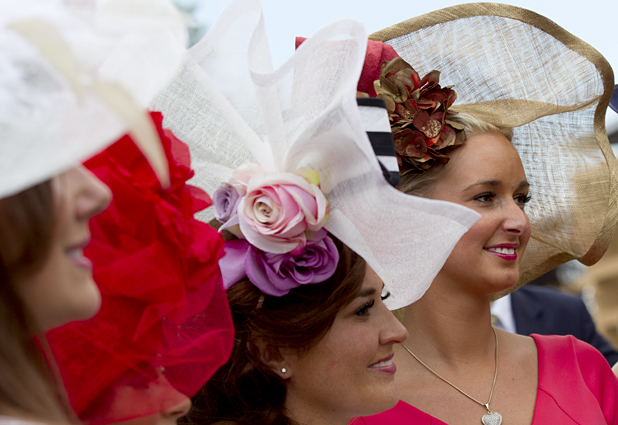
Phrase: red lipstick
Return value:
(506, 251)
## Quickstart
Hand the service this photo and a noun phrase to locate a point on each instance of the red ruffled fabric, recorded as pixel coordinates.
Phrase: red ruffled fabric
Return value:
(377, 52)
(164, 326)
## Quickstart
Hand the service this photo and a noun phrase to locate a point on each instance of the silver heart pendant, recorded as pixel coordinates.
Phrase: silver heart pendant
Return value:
(494, 418)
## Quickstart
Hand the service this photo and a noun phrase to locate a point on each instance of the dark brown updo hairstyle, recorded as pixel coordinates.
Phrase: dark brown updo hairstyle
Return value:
(421, 184)
(27, 388)
(245, 390)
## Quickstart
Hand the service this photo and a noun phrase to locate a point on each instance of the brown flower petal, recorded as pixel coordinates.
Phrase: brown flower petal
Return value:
(421, 119)
(419, 116)
(432, 78)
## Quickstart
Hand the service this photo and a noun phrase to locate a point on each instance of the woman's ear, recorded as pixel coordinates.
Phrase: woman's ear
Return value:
(272, 357)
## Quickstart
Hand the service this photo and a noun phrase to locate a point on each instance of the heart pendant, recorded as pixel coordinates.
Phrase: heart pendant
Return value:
(494, 418)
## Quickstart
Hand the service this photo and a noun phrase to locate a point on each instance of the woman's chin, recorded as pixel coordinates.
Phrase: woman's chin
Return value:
(499, 284)
(500, 289)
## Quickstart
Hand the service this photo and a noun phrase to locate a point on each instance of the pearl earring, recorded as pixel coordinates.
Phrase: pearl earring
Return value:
(283, 370)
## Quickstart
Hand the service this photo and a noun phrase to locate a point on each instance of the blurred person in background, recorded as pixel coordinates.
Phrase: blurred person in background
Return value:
(548, 311)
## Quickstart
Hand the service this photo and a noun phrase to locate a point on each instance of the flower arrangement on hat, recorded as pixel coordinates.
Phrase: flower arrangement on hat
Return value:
(419, 114)
(279, 219)
(310, 241)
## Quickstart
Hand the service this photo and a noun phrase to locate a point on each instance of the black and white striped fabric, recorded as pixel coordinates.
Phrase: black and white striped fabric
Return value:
(375, 121)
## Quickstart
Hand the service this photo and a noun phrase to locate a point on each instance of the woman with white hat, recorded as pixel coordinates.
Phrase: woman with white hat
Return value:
(310, 222)
(67, 90)
(529, 152)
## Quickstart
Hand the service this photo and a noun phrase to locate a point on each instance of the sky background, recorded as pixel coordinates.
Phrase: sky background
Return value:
(594, 21)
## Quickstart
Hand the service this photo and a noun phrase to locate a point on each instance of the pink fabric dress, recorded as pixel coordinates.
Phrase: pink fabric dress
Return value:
(576, 386)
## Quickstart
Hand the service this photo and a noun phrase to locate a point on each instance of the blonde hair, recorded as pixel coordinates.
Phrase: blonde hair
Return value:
(421, 184)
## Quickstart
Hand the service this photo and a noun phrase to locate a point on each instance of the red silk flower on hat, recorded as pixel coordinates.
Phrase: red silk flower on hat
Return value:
(164, 326)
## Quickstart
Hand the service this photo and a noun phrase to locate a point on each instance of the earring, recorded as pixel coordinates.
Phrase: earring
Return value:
(283, 370)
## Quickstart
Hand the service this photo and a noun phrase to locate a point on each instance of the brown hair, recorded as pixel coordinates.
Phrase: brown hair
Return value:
(247, 391)
(28, 387)
(421, 184)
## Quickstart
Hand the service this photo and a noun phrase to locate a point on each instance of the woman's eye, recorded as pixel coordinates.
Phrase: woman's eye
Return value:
(364, 310)
(522, 199)
(385, 295)
(485, 198)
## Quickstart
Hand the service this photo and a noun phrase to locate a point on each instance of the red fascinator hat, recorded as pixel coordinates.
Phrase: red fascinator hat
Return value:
(164, 327)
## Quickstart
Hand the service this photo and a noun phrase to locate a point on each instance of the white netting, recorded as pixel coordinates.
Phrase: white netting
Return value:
(232, 108)
(59, 59)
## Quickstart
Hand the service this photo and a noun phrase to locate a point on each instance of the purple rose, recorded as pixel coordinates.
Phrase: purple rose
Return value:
(226, 199)
(276, 274)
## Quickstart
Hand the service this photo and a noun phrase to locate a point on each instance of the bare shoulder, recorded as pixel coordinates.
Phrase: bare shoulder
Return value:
(518, 350)
(520, 344)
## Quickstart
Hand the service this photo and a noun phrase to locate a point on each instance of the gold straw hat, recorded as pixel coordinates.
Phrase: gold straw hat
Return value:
(514, 68)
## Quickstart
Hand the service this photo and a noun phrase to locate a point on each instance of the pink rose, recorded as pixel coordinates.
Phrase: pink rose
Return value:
(279, 208)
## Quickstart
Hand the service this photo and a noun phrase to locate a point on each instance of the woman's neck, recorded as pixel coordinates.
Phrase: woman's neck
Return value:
(302, 413)
(450, 324)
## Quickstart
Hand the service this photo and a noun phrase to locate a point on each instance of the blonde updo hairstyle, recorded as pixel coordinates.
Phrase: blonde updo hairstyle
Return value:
(421, 184)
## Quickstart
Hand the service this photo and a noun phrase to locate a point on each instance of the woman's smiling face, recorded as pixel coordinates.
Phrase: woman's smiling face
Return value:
(486, 174)
(349, 372)
(63, 289)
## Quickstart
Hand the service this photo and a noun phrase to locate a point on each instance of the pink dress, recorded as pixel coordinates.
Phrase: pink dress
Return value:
(576, 386)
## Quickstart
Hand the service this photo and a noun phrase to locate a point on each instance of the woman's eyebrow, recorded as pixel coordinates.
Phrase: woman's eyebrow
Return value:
(367, 292)
(486, 182)
(523, 184)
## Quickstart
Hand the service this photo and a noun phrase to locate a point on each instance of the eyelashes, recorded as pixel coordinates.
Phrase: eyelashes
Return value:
(488, 197)
(485, 198)
(364, 310)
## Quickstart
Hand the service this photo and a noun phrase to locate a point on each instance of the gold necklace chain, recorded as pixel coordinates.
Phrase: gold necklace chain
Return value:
(486, 405)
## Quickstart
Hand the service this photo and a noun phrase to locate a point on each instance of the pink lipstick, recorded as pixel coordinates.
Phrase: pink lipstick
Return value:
(385, 365)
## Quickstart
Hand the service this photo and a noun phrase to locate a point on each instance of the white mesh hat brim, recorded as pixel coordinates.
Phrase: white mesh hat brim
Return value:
(232, 108)
(75, 76)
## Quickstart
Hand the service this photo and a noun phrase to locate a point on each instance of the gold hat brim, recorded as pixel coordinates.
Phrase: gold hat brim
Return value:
(515, 68)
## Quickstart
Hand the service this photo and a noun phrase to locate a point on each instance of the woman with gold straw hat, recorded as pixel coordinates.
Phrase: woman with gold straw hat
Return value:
(298, 192)
(531, 100)
(68, 88)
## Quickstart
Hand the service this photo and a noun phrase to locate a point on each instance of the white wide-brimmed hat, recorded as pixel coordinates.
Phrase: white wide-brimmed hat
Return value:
(77, 75)
(232, 108)
(514, 68)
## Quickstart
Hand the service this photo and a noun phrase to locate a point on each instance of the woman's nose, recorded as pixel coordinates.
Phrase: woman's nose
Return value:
(393, 331)
(517, 221)
(178, 411)
(92, 195)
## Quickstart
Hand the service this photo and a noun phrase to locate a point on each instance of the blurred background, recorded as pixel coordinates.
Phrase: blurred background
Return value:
(595, 22)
